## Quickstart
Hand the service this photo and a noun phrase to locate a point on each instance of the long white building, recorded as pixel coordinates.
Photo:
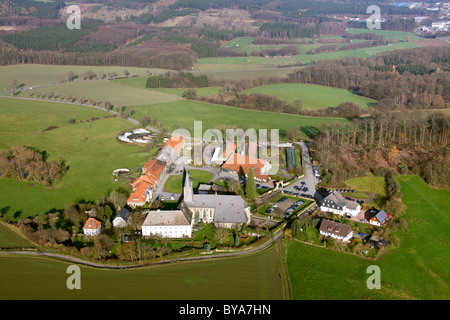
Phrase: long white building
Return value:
(168, 224)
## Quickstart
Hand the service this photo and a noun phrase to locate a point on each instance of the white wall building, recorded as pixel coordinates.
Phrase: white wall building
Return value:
(337, 204)
(167, 224)
(92, 227)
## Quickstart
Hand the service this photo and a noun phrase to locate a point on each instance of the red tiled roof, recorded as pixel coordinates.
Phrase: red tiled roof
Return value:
(175, 143)
(241, 163)
(138, 194)
(92, 224)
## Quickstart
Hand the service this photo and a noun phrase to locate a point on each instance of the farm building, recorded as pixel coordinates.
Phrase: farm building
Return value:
(241, 164)
(145, 185)
(171, 150)
(121, 219)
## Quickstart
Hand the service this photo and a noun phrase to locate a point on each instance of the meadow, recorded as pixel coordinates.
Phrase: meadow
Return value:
(90, 149)
(417, 269)
(368, 184)
(175, 183)
(245, 44)
(392, 35)
(251, 277)
(362, 53)
(36, 74)
(116, 94)
(183, 114)
(312, 96)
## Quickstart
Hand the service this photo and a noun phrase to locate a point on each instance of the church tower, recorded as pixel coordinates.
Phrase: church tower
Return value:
(188, 189)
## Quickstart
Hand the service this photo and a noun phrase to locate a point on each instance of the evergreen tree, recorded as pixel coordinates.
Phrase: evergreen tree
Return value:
(250, 186)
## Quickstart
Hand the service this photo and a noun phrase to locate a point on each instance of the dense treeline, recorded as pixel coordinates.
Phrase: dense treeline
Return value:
(407, 142)
(178, 80)
(54, 38)
(287, 30)
(143, 58)
(40, 9)
(24, 163)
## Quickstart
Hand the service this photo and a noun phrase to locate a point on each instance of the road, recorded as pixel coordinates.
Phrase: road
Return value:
(309, 179)
(263, 246)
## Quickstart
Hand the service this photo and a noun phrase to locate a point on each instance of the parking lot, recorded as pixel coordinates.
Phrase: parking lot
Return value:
(284, 207)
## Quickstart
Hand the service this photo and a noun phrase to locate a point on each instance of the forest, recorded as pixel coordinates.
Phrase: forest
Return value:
(408, 142)
(40, 9)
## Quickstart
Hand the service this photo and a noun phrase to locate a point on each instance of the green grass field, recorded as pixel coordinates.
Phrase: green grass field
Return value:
(34, 74)
(108, 91)
(362, 53)
(370, 183)
(11, 238)
(418, 269)
(252, 277)
(184, 113)
(312, 96)
(89, 149)
(393, 35)
(175, 183)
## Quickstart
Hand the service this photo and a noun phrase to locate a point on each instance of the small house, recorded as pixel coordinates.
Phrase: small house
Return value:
(121, 219)
(336, 230)
(92, 227)
(379, 218)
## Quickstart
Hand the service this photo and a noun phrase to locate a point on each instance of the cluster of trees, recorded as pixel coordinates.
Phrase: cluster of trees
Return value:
(348, 110)
(41, 9)
(411, 142)
(178, 80)
(256, 101)
(287, 30)
(24, 163)
(54, 38)
(284, 51)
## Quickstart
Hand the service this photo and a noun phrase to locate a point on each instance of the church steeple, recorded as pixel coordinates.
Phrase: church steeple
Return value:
(188, 190)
